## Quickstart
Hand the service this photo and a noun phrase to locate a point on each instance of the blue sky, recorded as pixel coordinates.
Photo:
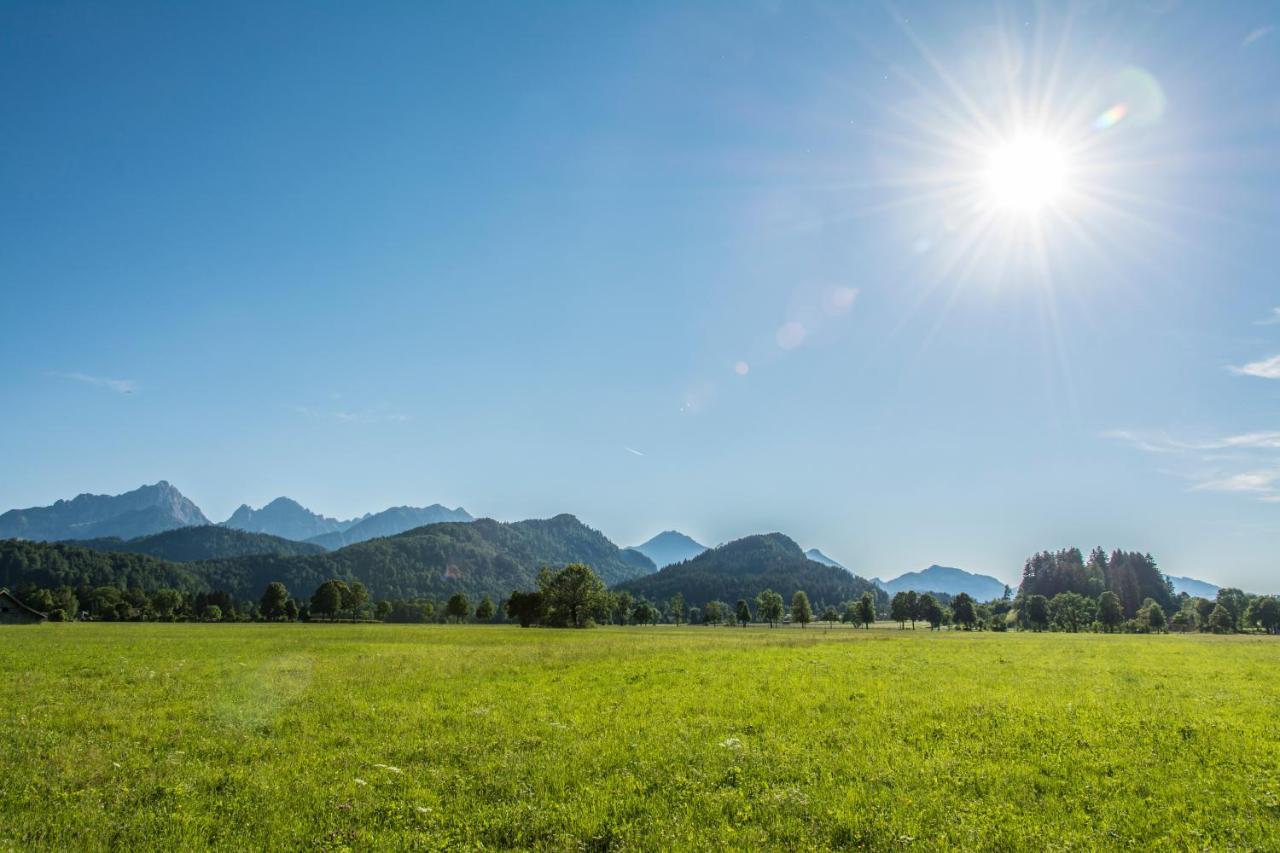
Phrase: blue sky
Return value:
(723, 267)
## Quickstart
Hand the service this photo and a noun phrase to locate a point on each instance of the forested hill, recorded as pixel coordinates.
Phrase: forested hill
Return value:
(207, 542)
(742, 568)
(482, 557)
(50, 565)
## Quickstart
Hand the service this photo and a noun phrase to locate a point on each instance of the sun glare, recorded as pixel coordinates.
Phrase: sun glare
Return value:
(1025, 174)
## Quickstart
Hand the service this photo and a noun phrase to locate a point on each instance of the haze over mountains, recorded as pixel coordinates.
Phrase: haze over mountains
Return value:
(946, 579)
(670, 546)
(159, 521)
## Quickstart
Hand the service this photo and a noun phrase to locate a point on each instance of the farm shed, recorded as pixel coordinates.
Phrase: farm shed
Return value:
(14, 612)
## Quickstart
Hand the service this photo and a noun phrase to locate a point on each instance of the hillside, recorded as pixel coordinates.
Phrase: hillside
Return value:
(670, 546)
(389, 522)
(741, 569)
(946, 579)
(482, 557)
(145, 510)
(208, 542)
(54, 564)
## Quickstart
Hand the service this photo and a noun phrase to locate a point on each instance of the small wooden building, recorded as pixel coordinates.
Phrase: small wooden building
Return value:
(14, 612)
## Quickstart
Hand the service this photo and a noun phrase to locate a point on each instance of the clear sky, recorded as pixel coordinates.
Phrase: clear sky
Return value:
(912, 283)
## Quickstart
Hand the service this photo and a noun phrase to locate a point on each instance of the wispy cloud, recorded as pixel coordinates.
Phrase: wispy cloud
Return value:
(120, 386)
(1270, 320)
(1246, 464)
(633, 451)
(351, 417)
(1267, 368)
(1255, 35)
(1256, 482)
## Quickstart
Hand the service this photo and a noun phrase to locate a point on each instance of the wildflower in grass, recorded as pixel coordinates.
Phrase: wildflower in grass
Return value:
(360, 781)
(731, 743)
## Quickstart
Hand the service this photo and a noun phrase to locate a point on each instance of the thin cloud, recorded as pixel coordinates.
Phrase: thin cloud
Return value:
(1257, 482)
(1267, 368)
(1271, 320)
(350, 417)
(1259, 33)
(120, 386)
(632, 450)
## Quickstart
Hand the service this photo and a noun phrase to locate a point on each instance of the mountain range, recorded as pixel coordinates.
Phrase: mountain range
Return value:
(141, 512)
(744, 567)
(149, 510)
(946, 579)
(670, 546)
(389, 522)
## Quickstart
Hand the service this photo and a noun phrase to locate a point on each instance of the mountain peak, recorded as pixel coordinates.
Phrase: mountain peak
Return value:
(670, 546)
(947, 579)
(819, 557)
(145, 510)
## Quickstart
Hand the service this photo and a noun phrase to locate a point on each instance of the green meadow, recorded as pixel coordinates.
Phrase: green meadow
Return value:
(270, 736)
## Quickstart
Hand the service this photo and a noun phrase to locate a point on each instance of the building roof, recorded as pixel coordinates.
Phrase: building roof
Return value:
(4, 593)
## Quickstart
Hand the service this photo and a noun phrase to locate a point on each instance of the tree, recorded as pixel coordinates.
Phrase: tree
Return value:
(1153, 617)
(675, 608)
(643, 613)
(382, 610)
(713, 613)
(800, 610)
(165, 602)
(273, 600)
(1235, 602)
(1221, 621)
(570, 595)
(327, 599)
(524, 607)
(1265, 613)
(354, 597)
(458, 607)
(1038, 612)
(769, 607)
(931, 611)
(867, 610)
(622, 604)
(743, 612)
(213, 613)
(1110, 612)
(900, 609)
(1071, 611)
(962, 611)
(485, 609)
(291, 610)
(913, 606)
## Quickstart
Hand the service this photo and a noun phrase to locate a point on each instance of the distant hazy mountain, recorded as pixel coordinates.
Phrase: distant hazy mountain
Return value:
(1193, 587)
(145, 510)
(209, 542)
(945, 579)
(745, 567)
(669, 547)
(288, 518)
(389, 522)
(819, 557)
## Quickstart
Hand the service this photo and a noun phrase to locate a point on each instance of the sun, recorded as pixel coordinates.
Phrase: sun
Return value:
(1025, 174)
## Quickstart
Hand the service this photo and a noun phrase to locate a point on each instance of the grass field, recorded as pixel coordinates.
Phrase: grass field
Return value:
(283, 736)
